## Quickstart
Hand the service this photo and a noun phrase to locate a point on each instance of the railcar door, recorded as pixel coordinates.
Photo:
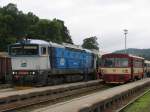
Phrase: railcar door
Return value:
(132, 70)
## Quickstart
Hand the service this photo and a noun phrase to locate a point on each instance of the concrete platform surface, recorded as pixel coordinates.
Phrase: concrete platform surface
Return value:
(48, 88)
(86, 101)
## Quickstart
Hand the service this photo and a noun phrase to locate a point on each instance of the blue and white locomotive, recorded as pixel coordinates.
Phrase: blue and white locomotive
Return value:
(42, 63)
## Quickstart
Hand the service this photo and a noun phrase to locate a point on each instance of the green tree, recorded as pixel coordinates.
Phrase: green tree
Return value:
(54, 31)
(90, 43)
(15, 24)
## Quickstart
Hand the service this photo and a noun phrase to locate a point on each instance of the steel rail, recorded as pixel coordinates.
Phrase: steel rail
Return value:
(37, 99)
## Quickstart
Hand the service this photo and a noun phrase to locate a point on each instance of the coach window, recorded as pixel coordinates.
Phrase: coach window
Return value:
(43, 51)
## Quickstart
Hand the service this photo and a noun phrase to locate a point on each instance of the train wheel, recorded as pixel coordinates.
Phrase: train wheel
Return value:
(42, 79)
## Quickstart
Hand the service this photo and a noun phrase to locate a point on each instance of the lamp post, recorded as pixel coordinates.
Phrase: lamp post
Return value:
(125, 34)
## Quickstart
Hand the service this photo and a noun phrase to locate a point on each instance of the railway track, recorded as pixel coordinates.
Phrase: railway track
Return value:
(49, 96)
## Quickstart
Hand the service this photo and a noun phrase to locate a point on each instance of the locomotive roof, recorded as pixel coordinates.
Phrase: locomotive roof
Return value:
(56, 45)
(72, 46)
(33, 41)
(42, 42)
(39, 42)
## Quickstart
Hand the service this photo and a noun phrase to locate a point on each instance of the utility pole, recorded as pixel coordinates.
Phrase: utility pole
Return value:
(125, 34)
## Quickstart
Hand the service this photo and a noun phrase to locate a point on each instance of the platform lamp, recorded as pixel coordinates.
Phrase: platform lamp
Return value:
(125, 34)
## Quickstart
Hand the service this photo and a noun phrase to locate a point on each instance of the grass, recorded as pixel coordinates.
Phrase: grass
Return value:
(140, 105)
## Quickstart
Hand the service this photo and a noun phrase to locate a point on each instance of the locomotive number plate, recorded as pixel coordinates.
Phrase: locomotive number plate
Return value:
(23, 72)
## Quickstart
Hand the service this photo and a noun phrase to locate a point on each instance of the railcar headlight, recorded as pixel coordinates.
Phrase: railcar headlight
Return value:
(33, 73)
(13, 73)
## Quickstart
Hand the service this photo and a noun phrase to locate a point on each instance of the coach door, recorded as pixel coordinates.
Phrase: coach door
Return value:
(132, 67)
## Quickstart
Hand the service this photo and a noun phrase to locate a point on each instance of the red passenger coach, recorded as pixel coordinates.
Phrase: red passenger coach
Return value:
(121, 68)
(5, 68)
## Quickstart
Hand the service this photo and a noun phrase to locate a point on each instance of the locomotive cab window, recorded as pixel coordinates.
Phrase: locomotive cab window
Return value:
(24, 50)
(30, 50)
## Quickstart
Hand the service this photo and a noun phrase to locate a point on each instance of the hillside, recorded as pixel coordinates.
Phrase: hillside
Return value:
(138, 52)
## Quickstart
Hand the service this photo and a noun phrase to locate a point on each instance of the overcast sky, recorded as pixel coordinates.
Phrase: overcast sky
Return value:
(105, 19)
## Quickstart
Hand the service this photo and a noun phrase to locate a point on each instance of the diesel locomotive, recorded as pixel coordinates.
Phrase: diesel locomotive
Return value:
(40, 62)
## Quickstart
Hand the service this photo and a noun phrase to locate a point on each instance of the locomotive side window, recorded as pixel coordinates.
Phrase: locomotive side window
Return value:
(43, 51)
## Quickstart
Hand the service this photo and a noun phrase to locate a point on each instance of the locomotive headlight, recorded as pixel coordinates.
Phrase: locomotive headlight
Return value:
(14, 73)
(33, 73)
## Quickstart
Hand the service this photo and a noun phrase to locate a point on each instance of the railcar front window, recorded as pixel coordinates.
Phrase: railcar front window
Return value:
(23, 50)
(115, 62)
(108, 62)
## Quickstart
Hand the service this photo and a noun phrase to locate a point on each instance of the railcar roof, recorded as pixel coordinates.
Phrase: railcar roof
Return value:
(130, 55)
(135, 56)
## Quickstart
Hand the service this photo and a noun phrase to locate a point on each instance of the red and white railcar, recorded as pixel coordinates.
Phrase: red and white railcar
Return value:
(121, 68)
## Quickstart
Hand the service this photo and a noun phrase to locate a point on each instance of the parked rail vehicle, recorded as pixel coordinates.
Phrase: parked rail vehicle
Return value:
(147, 68)
(5, 69)
(41, 62)
(121, 68)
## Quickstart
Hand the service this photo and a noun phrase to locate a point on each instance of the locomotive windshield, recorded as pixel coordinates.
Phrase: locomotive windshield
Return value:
(23, 50)
(115, 62)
